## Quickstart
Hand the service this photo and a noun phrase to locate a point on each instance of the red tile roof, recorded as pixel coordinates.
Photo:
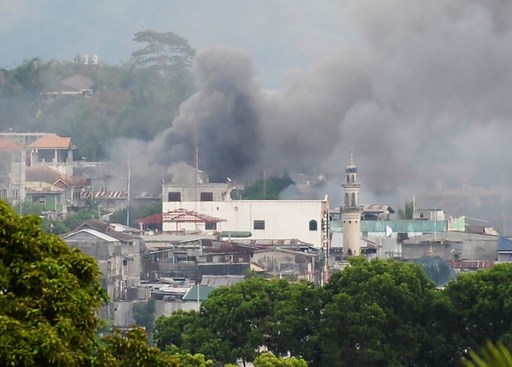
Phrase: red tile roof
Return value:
(52, 141)
(9, 145)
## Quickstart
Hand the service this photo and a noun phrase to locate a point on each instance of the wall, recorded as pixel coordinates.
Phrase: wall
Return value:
(284, 219)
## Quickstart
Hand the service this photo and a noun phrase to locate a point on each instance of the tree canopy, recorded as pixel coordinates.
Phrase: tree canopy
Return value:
(138, 99)
(49, 296)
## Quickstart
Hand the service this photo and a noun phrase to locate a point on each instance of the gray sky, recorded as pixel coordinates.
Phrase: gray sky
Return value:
(280, 35)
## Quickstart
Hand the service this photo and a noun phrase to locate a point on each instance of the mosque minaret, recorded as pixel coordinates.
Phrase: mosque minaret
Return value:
(351, 213)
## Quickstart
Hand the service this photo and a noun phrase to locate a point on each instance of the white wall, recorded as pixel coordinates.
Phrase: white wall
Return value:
(284, 219)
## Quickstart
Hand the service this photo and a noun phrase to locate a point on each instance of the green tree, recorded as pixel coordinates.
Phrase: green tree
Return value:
(267, 189)
(270, 360)
(407, 212)
(234, 322)
(484, 301)
(171, 331)
(136, 212)
(49, 296)
(374, 314)
(144, 314)
(295, 321)
(131, 349)
(168, 52)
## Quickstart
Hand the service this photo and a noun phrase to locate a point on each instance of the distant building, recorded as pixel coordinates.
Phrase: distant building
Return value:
(261, 219)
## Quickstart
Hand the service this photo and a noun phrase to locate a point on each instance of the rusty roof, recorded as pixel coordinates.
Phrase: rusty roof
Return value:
(51, 141)
(51, 176)
(180, 216)
(10, 145)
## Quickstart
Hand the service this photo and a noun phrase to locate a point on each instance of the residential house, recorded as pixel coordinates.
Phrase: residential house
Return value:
(54, 151)
(118, 255)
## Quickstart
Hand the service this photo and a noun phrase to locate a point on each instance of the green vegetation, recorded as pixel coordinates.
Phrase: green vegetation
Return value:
(49, 296)
(489, 356)
(371, 314)
(407, 212)
(136, 212)
(134, 100)
(266, 189)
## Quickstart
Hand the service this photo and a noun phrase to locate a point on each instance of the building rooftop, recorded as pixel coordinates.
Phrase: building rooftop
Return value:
(10, 146)
(51, 141)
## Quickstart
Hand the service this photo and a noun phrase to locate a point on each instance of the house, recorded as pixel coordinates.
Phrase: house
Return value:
(262, 219)
(71, 188)
(118, 255)
(74, 85)
(54, 151)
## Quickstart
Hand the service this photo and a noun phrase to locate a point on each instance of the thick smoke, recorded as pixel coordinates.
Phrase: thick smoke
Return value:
(421, 100)
(222, 117)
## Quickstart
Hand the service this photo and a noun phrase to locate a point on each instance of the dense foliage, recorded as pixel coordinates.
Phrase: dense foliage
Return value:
(138, 99)
(49, 296)
(377, 313)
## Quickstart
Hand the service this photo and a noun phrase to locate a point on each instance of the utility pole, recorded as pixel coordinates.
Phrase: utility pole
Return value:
(129, 195)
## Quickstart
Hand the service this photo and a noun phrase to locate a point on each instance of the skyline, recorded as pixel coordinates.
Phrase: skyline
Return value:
(279, 36)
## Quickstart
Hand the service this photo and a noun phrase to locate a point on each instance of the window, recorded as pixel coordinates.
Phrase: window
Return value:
(210, 225)
(353, 200)
(313, 225)
(206, 196)
(174, 196)
(259, 224)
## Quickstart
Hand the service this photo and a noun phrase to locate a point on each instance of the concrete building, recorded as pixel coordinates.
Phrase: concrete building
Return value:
(352, 211)
(54, 151)
(189, 190)
(452, 246)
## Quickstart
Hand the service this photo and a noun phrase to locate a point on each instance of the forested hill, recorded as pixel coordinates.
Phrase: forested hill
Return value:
(137, 99)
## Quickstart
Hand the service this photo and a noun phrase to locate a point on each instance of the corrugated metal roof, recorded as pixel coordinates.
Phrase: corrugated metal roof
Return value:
(198, 291)
(398, 226)
(221, 280)
(51, 141)
(103, 236)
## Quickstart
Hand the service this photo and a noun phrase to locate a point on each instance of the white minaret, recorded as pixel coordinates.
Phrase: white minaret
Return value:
(351, 213)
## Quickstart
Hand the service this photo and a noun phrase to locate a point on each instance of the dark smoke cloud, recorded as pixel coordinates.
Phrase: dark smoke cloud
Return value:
(421, 100)
(223, 116)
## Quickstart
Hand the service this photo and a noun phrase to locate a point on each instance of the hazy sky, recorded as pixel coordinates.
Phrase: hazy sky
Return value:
(279, 35)
(418, 91)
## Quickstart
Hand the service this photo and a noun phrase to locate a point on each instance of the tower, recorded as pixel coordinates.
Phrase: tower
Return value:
(351, 213)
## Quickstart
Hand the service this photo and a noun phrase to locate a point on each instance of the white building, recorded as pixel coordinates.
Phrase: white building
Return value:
(259, 219)
(264, 219)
